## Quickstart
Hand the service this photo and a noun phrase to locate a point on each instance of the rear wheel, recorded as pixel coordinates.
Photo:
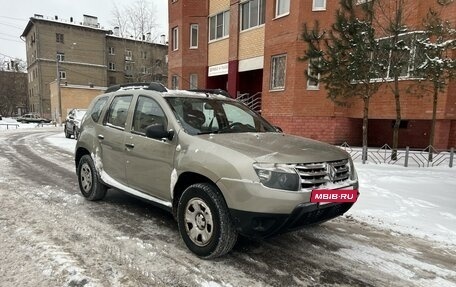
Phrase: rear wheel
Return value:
(204, 221)
(89, 180)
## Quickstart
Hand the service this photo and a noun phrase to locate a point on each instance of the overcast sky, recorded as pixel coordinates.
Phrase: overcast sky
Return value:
(14, 16)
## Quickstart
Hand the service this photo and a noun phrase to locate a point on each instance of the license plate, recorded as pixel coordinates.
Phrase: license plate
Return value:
(325, 196)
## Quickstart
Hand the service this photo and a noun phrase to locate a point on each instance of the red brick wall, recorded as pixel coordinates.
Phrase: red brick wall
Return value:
(452, 135)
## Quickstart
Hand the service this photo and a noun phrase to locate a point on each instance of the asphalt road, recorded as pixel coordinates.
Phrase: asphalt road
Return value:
(51, 236)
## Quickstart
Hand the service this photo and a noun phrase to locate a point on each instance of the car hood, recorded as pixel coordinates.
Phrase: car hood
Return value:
(277, 147)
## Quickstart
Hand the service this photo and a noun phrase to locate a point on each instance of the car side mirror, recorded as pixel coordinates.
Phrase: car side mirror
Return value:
(278, 129)
(157, 131)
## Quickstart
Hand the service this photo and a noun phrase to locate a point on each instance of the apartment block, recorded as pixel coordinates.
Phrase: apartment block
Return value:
(252, 48)
(84, 54)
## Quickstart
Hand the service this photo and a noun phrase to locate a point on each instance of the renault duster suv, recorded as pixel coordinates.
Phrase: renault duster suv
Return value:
(220, 168)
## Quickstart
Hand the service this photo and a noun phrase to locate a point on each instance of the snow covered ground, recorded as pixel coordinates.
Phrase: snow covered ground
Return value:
(416, 201)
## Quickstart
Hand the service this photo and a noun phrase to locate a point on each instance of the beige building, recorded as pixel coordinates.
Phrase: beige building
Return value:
(72, 96)
(84, 54)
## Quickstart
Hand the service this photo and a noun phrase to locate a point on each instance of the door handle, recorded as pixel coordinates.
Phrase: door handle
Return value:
(129, 145)
(101, 137)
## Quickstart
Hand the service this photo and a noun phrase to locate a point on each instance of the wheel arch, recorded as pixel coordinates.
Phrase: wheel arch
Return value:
(185, 180)
(80, 152)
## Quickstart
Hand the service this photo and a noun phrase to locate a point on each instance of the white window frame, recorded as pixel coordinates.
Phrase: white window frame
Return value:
(175, 38)
(316, 8)
(193, 79)
(273, 86)
(309, 85)
(174, 82)
(62, 74)
(60, 57)
(111, 51)
(111, 66)
(225, 26)
(260, 18)
(192, 28)
(285, 13)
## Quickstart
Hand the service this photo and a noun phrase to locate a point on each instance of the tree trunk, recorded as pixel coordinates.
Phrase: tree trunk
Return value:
(365, 125)
(397, 123)
(434, 117)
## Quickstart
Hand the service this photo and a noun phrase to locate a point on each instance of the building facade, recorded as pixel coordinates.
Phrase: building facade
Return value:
(81, 54)
(252, 47)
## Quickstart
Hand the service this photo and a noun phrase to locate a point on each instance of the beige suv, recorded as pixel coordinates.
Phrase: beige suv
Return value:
(220, 168)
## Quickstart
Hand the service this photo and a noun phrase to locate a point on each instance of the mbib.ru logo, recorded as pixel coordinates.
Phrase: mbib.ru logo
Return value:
(338, 195)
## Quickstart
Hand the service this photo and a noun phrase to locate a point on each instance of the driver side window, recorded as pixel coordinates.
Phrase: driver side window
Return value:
(147, 112)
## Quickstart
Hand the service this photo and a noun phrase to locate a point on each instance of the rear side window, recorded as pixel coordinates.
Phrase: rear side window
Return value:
(118, 111)
(97, 108)
(147, 112)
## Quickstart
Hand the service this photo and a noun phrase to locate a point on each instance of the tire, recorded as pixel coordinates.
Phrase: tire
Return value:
(89, 180)
(67, 134)
(204, 221)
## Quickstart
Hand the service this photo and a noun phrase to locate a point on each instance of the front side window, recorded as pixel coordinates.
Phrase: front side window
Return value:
(117, 113)
(175, 39)
(252, 13)
(219, 26)
(278, 72)
(147, 112)
(282, 7)
(194, 36)
(319, 5)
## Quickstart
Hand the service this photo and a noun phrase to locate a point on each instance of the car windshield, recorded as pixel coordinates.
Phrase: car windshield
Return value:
(208, 115)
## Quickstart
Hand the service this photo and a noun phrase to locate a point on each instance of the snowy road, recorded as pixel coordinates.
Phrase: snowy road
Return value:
(51, 236)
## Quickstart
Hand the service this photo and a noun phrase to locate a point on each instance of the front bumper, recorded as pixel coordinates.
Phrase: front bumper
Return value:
(263, 225)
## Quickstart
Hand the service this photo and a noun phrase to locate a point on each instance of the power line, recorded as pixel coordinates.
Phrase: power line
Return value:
(11, 40)
(9, 25)
(10, 35)
(13, 18)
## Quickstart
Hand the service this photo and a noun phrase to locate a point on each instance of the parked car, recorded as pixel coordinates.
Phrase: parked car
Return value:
(32, 118)
(220, 168)
(73, 122)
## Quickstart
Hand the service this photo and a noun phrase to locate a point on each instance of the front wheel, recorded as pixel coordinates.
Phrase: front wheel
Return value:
(89, 180)
(204, 221)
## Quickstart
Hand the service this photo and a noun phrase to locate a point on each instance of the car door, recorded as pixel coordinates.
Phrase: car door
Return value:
(149, 161)
(112, 138)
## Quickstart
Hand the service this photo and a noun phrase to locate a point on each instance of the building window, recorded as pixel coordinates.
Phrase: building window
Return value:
(128, 55)
(175, 38)
(319, 5)
(143, 54)
(193, 81)
(111, 66)
(219, 25)
(144, 70)
(252, 13)
(62, 74)
(174, 82)
(282, 8)
(59, 38)
(111, 51)
(278, 72)
(60, 57)
(193, 36)
(312, 80)
(408, 57)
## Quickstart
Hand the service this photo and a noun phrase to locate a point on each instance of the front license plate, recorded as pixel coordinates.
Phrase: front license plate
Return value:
(325, 196)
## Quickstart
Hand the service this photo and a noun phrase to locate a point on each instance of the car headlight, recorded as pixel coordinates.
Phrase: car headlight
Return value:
(278, 176)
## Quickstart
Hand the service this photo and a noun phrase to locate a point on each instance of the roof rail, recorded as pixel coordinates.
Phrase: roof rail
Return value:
(147, 86)
(212, 91)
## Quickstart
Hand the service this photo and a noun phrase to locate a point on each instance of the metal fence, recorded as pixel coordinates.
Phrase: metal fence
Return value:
(406, 157)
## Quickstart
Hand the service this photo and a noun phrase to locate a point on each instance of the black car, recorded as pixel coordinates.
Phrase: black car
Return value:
(73, 122)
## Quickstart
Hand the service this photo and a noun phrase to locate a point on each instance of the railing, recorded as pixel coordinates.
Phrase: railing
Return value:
(252, 101)
(407, 157)
(7, 125)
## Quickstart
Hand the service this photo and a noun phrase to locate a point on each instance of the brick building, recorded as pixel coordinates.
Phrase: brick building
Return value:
(253, 46)
(83, 53)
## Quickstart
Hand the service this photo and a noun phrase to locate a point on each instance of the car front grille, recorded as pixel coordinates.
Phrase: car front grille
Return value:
(315, 175)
